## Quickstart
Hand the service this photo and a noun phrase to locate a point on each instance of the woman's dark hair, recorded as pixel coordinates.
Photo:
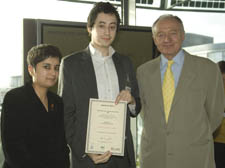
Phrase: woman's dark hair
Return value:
(102, 7)
(41, 52)
(222, 66)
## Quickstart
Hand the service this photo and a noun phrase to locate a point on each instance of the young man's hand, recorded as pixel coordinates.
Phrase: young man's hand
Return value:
(100, 158)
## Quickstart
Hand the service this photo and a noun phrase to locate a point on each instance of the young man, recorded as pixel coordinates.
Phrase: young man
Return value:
(183, 102)
(97, 72)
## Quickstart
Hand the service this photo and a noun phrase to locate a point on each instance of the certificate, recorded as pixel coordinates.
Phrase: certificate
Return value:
(106, 127)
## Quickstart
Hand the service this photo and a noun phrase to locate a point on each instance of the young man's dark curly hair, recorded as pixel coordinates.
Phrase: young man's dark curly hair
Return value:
(102, 7)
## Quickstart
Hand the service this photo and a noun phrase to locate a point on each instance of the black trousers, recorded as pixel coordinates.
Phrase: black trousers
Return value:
(219, 154)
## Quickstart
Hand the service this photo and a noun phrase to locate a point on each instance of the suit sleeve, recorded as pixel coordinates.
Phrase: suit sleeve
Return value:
(134, 88)
(13, 133)
(63, 159)
(65, 91)
(140, 78)
(215, 101)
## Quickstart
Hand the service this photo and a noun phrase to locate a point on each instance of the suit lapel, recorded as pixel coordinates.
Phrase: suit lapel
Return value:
(155, 84)
(185, 80)
(89, 73)
(120, 71)
(156, 78)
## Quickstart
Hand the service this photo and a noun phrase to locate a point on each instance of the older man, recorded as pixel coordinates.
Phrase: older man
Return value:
(183, 102)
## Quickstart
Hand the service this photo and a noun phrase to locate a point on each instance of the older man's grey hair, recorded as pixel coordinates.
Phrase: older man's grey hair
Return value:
(167, 16)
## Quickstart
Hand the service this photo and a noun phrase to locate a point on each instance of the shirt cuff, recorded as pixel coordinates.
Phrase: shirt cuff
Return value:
(132, 108)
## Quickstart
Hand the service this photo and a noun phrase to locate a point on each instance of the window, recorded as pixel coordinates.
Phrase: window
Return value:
(11, 64)
(211, 5)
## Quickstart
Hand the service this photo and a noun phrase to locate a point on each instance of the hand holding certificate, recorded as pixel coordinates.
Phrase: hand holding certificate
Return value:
(106, 127)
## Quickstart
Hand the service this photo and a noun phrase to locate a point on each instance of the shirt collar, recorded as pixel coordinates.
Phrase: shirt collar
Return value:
(178, 59)
(97, 54)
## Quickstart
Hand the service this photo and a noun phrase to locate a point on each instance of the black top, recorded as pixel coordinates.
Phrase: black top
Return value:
(31, 136)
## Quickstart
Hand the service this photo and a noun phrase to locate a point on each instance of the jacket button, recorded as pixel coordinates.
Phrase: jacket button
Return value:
(170, 154)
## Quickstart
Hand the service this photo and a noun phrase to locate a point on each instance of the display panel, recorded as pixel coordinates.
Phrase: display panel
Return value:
(134, 42)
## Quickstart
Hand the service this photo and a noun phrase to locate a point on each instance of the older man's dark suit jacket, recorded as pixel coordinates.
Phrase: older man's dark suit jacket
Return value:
(77, 84)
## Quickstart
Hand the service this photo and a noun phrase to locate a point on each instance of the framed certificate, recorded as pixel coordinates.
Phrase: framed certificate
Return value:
(106, 127)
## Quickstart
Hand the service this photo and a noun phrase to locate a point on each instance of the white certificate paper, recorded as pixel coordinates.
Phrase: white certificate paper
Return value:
(106, 127)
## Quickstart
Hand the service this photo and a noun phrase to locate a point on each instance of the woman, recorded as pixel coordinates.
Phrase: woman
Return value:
(32, 126)
(219, 135)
